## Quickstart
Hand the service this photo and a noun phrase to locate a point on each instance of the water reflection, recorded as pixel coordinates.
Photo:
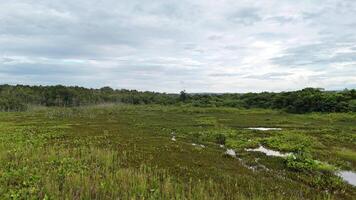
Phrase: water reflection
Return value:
(269, 152)
(264, 129)
(348, 176)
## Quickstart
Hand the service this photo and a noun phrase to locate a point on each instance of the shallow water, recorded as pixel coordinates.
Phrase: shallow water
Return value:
(269, 152)
(201, 145)
(230, 152)
(348, 176)
(264, 129)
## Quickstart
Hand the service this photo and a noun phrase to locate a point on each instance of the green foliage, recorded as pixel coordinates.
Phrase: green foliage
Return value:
(16, 98)
(220, 138)
(9, 103)
(352, 104)
(215, 136)
(126, 151)
(40, 161)
(303, 161)
(242, 143)
(327, 181)
(21, 183)
(289, 141)
(183, 96)
(207, 121)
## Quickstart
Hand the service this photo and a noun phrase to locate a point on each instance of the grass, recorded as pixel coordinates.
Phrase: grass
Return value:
(126, 152)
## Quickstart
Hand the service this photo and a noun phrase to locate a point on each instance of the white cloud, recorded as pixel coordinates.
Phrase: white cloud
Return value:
(200, 46)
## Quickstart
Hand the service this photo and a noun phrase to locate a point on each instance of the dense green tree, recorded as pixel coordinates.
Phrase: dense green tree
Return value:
(183, 96)
(17, 98)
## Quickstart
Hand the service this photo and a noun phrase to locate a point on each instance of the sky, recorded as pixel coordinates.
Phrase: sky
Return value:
(174, 45)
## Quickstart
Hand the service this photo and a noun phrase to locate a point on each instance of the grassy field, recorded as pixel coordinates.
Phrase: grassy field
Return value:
(127, 152)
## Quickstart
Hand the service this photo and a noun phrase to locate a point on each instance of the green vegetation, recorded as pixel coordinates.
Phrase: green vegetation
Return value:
(20, 97)
(125, 151)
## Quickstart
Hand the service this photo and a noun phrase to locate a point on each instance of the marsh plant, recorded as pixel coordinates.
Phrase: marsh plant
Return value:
(126, 152)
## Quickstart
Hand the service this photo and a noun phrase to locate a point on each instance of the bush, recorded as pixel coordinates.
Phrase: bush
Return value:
(220, 138)
(290, 141)
(303, 161)
(12, 104)
(352, 105)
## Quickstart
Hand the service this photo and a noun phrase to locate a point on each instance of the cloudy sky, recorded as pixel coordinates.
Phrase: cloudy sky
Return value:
(168, 46)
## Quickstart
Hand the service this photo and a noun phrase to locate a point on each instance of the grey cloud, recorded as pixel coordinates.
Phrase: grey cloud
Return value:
(161, 44)
(282, 19)
(246, 16)
(270, 36)
(343, 57)
(225, 75)
(316, 55)
(70, 32)
(311, 15)
(215, 37)
(41, 69)
(232, 47)
(270, 76)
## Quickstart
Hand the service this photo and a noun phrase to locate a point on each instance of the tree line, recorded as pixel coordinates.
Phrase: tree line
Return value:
(301, 101)
(19, 97)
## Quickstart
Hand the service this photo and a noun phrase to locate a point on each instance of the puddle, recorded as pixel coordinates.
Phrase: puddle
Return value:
(264, 129)
(348, 176)
(269, 152)
(201, 145)
(230, 152)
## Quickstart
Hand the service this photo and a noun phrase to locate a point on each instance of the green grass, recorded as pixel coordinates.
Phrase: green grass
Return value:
(126, 152)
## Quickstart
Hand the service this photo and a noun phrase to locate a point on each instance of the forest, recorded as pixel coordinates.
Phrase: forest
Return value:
(21, 97)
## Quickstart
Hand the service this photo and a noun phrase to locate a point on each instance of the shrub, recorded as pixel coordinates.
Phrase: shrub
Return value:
(11, 104)
(303, 161)
(220, 138)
